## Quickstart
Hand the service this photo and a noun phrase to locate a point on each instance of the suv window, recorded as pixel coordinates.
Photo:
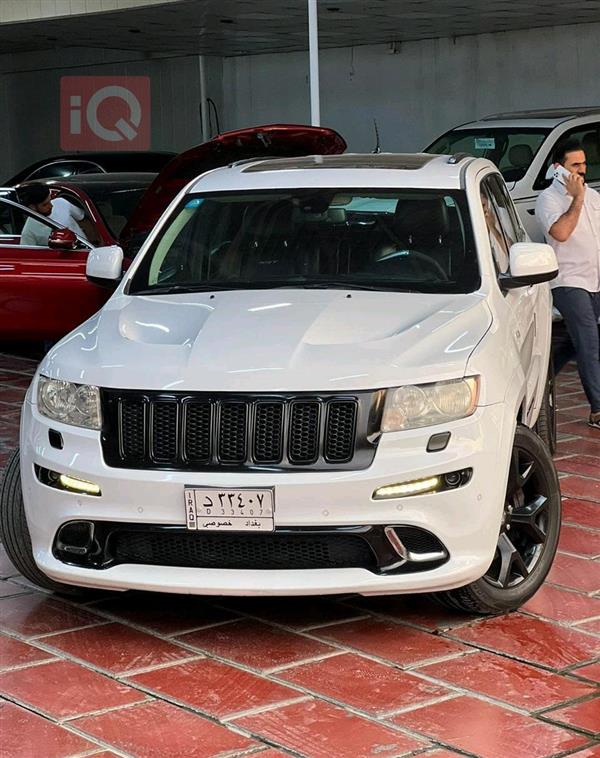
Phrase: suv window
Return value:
(504, 226)
(511, 149)
(589, 137)
(417, 240)
(65, 168)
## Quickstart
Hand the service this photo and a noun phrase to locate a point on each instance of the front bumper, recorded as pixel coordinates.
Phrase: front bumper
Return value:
(465, 520)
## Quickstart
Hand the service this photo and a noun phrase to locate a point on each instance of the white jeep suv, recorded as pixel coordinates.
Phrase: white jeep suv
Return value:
(521, 144)
(320, 375)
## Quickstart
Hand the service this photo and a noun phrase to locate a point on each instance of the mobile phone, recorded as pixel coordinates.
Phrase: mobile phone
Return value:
(561, 173)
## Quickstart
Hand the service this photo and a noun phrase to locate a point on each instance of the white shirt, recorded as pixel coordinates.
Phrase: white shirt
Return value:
(578, 257)
(34, 233)
(66, 214)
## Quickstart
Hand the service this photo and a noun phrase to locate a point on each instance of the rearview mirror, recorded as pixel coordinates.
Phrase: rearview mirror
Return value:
(530, 263)
(105, 266)
(62, 239)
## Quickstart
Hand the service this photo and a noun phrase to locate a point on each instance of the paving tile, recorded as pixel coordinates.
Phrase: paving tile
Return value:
(160, 730)
(531, 639)
(10, 588)
(37, 613)
(27, 735)
(296, 612)
(316, 729)
(255, 644)
(590, 626)
(578, 446)
(394, 642)
(434, 754)
(579, 428)
(162, 613)
(584, 716)
(62, 689)
(583, 542)
(268, 753)
(487, 730)
(414, 609)
(580, 487)
(562, 605)
(214, 687)
(591, 672)
(577, 573)
(504, 679)
(12, 395)
(581, 512)
(365, 684)
(16, 653)
(590, 752)
(587, 465)
(117, 648)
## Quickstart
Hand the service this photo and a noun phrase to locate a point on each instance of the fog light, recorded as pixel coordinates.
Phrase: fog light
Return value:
(78, 485)
(417, 487)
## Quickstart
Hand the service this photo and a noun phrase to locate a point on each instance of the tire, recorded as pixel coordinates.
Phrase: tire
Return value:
(545, 426)
(528, 534)
(14, 533)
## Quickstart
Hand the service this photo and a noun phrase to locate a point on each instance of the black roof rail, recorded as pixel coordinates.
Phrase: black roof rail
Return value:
(458, 157)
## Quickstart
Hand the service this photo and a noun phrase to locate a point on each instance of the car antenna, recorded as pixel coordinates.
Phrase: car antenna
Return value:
(377, 145)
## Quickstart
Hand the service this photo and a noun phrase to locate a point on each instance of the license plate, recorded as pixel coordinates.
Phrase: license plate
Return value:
(227, 510)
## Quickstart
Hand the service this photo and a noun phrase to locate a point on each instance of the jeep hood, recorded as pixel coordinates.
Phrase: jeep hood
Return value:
(272, 340)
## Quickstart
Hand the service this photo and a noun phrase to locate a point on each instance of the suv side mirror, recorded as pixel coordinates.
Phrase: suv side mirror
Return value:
(105, 266)
(63, 239)
(530, 263)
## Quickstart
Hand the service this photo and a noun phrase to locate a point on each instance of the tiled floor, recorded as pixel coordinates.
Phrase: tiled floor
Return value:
(169, 676)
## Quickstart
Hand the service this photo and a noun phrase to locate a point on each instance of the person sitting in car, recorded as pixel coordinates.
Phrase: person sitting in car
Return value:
(36, 197)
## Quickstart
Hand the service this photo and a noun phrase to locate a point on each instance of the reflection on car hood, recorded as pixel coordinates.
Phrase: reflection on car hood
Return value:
(272, 340)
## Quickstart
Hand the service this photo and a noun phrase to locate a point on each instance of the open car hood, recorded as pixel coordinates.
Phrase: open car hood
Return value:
(284, 140)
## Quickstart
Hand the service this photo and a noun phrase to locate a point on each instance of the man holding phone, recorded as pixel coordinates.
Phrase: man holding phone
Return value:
(569, 213)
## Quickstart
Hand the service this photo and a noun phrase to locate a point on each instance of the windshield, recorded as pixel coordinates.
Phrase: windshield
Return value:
(511, 149)
(115, 204)
(406, 240)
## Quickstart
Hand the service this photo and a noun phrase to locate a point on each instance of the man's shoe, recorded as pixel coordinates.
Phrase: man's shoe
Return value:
(594, 421)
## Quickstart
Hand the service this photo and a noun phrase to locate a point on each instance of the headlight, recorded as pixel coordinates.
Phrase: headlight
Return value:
(419, 405)
(76, 404)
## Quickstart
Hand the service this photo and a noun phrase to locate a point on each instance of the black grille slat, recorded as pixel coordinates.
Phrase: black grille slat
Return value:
(268, 432)
(132, 423)
(201, 432)
(340, 431)
(197, 434)
(164, 431)
(232, 432)
(304, 432)
(247, 551)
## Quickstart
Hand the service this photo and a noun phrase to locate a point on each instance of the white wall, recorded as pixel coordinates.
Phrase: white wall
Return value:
(423, 89)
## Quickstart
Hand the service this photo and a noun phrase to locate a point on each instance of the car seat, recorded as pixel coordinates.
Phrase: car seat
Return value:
(520, 158)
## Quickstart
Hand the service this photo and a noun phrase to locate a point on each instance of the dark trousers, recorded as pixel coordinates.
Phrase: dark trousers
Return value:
(580, 310)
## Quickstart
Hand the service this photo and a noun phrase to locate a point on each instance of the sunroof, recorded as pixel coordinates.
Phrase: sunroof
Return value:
(406, 162)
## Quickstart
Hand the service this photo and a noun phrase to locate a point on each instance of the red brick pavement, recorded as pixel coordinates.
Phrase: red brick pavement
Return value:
(168, 676)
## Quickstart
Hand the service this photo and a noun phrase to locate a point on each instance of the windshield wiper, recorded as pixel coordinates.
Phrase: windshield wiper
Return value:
(336, 284)
(177, 289)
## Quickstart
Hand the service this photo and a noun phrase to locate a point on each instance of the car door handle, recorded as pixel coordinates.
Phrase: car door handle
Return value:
(531, 211)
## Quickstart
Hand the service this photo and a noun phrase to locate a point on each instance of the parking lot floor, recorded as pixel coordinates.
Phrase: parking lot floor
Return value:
(161, 676)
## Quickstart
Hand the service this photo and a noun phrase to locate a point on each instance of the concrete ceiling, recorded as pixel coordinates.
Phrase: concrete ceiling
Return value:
(250, 27)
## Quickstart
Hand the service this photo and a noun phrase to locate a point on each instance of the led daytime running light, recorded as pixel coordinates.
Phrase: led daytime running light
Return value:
(79, 485)
(407, 488)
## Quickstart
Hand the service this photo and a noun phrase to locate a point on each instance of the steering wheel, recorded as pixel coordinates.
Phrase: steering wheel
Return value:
(420, 262)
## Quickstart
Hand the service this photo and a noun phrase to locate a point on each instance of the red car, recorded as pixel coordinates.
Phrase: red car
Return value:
(43, 290)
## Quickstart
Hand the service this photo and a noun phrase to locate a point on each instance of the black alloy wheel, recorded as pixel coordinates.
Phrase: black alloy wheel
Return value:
(528, 536)
(524, 528)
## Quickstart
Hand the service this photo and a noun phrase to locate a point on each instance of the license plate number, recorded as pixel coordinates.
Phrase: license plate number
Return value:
(229, 510)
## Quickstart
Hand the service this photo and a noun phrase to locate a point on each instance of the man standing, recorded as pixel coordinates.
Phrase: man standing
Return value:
(569, 213)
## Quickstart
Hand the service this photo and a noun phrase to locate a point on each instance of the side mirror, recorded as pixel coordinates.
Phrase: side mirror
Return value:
(530, 263)
(63, 239)
(105, 266)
